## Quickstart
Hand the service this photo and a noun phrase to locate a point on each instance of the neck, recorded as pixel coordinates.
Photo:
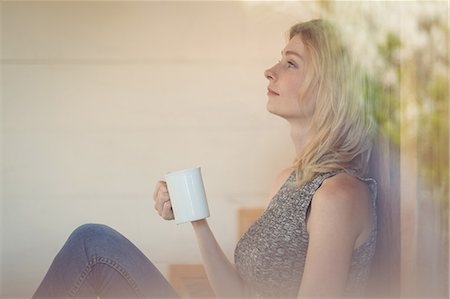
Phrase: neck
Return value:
(301, 136)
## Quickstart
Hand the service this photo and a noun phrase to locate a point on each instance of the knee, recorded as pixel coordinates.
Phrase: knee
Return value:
(96, 240)
(91, 232)
(89, 229)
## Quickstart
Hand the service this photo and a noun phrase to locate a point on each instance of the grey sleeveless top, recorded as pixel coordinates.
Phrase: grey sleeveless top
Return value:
(270, 256)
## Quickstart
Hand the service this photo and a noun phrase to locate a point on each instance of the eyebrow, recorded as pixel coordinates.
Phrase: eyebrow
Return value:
(289, 52)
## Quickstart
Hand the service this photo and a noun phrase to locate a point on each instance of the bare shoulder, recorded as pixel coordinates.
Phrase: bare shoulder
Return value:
(343, 187)
(342, 200)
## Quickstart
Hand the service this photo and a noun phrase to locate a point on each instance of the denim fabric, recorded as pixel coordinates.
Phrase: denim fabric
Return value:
(97, 261)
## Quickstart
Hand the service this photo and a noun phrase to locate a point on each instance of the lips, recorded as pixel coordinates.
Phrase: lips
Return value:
(271, 92)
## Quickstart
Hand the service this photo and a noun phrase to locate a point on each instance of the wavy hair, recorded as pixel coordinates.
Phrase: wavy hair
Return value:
(342, 125)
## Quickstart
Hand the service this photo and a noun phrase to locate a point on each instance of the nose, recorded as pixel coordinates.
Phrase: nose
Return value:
(269, 74)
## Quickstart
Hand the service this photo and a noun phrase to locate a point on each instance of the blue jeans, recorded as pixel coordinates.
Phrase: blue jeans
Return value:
(97, 261)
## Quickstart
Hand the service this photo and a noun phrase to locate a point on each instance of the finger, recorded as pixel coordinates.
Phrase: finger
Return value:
(162, 198)
(159, 185)
(167, 212)
(159, 204)
(160, 195)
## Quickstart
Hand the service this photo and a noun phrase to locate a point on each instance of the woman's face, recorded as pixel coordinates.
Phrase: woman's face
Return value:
(286, 83)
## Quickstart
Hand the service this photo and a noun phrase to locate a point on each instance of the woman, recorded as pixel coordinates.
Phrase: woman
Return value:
(317, 236)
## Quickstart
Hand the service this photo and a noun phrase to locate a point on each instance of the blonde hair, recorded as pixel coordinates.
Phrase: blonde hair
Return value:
(341, 124)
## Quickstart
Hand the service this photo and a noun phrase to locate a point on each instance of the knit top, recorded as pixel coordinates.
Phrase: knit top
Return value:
(270, 256)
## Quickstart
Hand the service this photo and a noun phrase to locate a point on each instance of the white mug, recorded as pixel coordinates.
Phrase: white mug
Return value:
(187, 195)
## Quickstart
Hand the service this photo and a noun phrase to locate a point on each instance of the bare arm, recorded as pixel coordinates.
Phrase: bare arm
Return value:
(339, 219)
(222, 275)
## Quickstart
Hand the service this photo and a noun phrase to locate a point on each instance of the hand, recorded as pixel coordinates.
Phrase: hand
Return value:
(162, 201)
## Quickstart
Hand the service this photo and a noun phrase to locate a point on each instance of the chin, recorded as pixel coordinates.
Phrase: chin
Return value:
(274, 112)
(285, 116)
(272, 109)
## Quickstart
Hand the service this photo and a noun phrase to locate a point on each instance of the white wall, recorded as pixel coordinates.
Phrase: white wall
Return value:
(100, 99)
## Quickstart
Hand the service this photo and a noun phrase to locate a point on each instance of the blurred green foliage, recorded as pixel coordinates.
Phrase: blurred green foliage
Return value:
(429, 102)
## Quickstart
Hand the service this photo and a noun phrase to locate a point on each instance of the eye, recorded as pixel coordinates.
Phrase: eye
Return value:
(291, 64)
